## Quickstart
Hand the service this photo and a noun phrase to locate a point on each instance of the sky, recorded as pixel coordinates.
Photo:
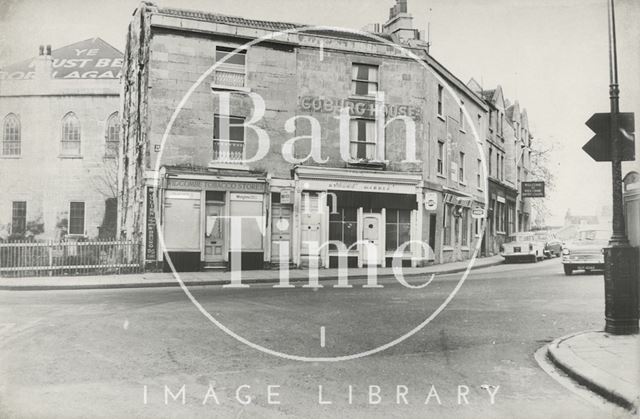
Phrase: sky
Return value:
(550, 55)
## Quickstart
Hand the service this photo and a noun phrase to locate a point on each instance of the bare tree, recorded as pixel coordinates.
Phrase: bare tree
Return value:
(539, 170)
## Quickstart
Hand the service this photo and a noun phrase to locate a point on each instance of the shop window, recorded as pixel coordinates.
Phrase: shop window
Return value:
(363, 139)
(18, 218)
(465, 227)
(461, 173)
(112, 136)
(76, 218)
(364, 80)
(230, 74)
(217, 196)
(228, 138)
(70, 143)
(447, 225)
(343, 226)
(440, 164)
(440, 99)
(398, 229)
(510, 219)
(11, 141)
(490, 161)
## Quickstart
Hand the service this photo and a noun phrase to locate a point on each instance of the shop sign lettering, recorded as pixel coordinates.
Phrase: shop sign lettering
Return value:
(216, 185)
(357, 107)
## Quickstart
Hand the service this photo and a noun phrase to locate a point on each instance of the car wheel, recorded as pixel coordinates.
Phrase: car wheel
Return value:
(568, 270)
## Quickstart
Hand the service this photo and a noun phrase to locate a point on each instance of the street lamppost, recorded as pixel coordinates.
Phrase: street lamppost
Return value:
(621, 283)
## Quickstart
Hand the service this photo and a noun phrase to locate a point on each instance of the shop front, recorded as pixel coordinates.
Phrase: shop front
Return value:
(206, 220)
(357, 217)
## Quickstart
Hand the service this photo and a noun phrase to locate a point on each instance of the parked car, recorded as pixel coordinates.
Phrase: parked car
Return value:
(523, 246)
(552, 245)
(586, 253)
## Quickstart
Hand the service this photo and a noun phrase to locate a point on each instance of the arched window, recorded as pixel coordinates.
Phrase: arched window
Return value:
(112, 135)
(11, 136)
(70, 143)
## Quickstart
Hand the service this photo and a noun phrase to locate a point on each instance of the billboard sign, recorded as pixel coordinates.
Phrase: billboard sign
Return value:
(89, 59)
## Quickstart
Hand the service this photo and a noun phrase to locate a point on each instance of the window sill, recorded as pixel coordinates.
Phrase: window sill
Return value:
(502, 233)
(441, 175)
(230, 88)
(464, 248)
(447, 248)
(462, 130)
(63, 156)
(214, 164)
(362, 97)
(462, 183)
(479, 189)
(440, 117)
(10, 157)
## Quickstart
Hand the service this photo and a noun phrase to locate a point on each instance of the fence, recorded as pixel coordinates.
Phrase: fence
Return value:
(69, 258)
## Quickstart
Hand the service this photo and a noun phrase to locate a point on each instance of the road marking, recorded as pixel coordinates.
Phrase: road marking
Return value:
(322, 342)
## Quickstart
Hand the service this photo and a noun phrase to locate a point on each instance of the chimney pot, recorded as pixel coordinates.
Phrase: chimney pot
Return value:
(48, 49)
(41, 50)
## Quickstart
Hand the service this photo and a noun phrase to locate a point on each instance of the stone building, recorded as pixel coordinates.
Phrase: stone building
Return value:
(58, 144)
(204, 144)
(508, 153)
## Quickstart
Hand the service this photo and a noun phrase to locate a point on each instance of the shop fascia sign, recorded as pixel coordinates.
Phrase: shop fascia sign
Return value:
(327, 185)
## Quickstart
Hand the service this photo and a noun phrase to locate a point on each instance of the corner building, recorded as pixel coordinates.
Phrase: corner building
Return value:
(400, 164)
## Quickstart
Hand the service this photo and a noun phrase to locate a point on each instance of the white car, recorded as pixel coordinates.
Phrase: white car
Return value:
(523, 246)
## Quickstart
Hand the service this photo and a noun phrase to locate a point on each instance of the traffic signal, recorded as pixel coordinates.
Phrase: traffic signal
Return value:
(599, 147)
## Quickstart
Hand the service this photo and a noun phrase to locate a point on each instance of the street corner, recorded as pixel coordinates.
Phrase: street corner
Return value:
(600, 362)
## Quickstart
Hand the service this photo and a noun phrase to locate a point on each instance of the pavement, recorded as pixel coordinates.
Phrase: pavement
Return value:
(606, 364)
(167, 279)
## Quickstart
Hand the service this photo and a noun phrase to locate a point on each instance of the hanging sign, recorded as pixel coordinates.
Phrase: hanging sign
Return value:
(431, 201)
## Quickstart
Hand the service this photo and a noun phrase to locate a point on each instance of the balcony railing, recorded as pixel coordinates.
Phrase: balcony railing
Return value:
(228, 151)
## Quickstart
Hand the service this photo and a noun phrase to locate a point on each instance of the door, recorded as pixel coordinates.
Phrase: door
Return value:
(280, 232)
(432, 237)
(214, 233)
(371, 235)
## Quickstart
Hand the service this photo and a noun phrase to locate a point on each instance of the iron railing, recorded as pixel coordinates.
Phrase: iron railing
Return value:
(29, 258)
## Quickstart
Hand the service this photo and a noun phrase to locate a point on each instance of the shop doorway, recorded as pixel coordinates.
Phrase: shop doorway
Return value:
(280, 232)
(432, 237)
(372, 237)
(214, 233)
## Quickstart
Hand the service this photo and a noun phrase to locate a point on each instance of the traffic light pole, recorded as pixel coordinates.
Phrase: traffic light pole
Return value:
(621, 260)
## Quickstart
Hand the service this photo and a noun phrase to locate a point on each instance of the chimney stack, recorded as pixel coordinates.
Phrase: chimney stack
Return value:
(400, 23)
(44, 63)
